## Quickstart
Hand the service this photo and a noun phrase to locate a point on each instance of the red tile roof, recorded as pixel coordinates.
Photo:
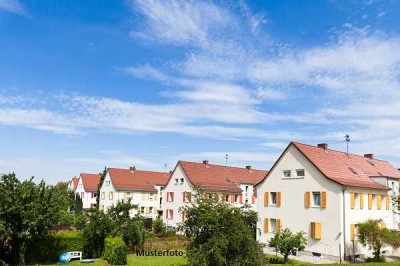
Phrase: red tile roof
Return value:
(75, 181)
(347, 169)
(90, 181)
(212, 177)
(125, 179)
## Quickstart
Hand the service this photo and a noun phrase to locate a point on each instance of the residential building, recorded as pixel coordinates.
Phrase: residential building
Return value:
(325, 193)
(144, 188)
(73, 184)
(87, 189)
(233, 185)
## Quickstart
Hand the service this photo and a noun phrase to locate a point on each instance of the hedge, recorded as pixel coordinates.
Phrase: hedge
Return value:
(50, 248)
(115, 250)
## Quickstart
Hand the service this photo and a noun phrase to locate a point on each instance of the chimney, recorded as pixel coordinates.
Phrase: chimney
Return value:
(369, 155)
(205, 162)
(248, 167)
(132, 169)
(323, 146)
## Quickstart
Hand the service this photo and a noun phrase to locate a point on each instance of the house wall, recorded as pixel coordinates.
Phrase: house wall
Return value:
(88, 198)
(178, 189)
(247, 196)
(149, 200)
(292, 212)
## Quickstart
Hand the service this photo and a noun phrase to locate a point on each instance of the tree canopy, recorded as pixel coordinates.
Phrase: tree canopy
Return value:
(219, 233)
(287, 242)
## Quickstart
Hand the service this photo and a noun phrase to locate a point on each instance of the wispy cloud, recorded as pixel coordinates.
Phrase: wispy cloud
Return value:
(13, 6)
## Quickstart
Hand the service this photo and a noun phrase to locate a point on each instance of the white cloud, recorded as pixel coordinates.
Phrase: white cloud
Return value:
(13, 6)
(181, 22)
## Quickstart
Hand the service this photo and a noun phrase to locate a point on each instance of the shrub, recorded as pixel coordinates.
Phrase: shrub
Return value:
(158, 226)
(276, 260)
(49, 249)
(168, 233)
(115, 250)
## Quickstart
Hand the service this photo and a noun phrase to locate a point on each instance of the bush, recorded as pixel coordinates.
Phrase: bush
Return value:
(158, 226)
(49, 249)
(168, 233)
(276, 260)
(115, 250)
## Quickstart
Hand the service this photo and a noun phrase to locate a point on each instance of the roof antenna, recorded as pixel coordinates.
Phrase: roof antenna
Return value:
(226, 161)
(347, 139)
(165, 167)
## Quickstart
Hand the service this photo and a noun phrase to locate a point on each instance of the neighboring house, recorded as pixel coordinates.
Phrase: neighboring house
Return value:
(87, 189)
(325, 193)
(73, 184)
(233, 185)
(144, 188)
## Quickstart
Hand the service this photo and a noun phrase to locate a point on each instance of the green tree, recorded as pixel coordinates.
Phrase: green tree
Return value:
(158, 226)
(102, 177)
(371, 233)
(287, 242)
(219, 233)
(130, 229)
(97, 227)
(27, 212)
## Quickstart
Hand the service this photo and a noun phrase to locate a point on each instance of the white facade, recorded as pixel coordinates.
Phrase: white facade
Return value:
(148, 202)
(88, 197)
(179, 183)
(335, 219)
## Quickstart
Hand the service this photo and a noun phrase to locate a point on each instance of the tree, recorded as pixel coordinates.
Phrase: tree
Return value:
(27, 212)
(130, 229)
(372, 233)
(102, 177)
(158, 227)
(287, 243)
(219, 233)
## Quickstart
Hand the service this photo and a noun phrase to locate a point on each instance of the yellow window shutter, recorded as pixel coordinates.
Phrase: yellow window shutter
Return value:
(146, 210)
(155, 210)
(352, 200)
(278, 199)
(266, 225)
(383, 225)
(307, 199)
(361, 201)
(379, 202)
(318, 231)
(143, 196)
(223, 197)
(352, 232)
(266, 198)
(313, 230)
(278, 225)
(323, 199)
(155, 196)
(387, 199)
(370, 201)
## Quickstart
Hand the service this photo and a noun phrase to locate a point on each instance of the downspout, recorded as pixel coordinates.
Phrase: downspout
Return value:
(344, 223)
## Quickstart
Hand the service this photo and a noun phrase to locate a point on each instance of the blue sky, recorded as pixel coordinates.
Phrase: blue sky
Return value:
(88, 84)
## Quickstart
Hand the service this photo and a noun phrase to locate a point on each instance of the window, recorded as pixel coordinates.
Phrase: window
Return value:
(273, 225)
(236, 198)
(103, 195)
(210, 195)
(227, 198)
(316, 199)
(287, 173)
(247, 188)
(176, 181)
(111, 195)
(182, 180)
(187, 196)
(273, 198)
(170, 214)
(170, 196)
(300, 173)
(151, 210)
(141, 210)
(82, 194)
(246, 201)
(128, 194)
(151, 196)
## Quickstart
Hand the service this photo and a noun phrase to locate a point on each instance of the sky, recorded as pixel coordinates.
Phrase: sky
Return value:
(89, 84)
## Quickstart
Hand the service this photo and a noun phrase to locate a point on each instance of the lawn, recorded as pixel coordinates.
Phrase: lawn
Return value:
(140, 261)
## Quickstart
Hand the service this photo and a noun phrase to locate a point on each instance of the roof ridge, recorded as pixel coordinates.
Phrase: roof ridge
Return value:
(351, 154)
(237, 167)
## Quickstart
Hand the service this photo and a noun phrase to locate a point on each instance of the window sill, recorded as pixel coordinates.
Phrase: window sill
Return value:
(289, 178)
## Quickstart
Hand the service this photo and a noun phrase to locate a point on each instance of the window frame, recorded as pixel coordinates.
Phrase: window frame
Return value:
(287, 171)
(273, 196)
(272, 226)
(313, 194)
(300, 176)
